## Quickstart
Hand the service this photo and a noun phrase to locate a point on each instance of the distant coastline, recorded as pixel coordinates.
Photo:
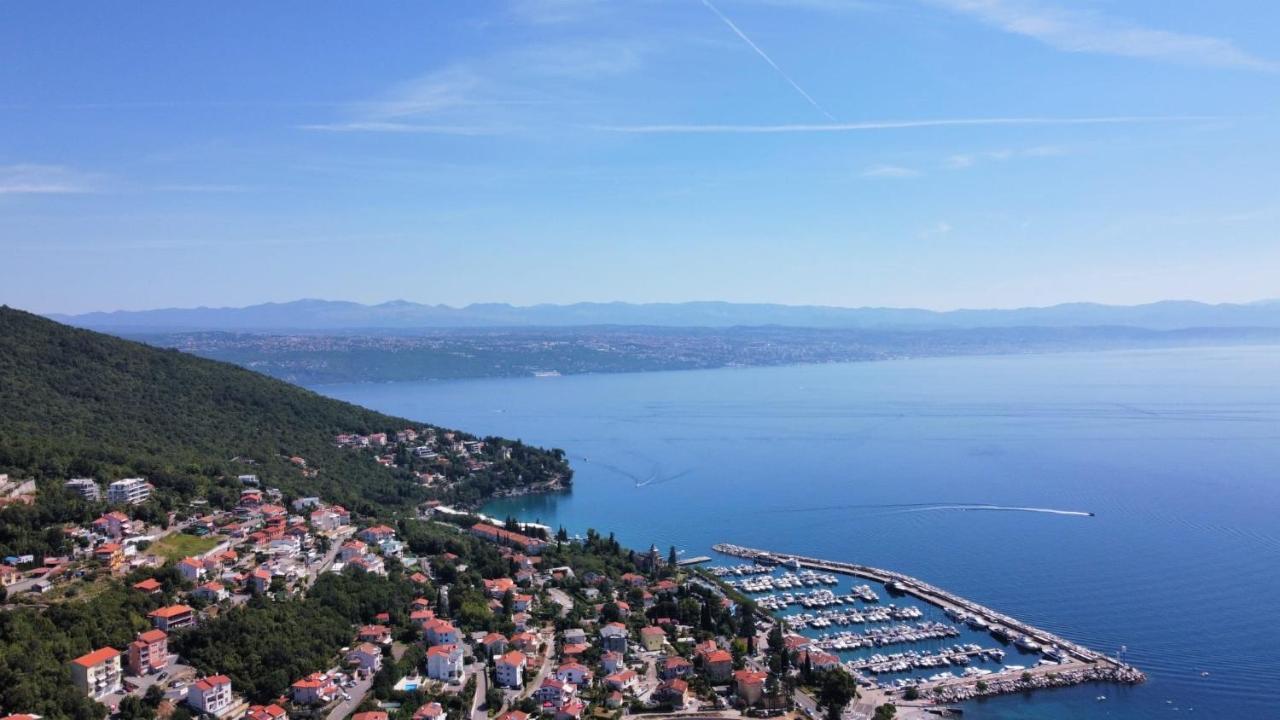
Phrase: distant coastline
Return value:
(319, 360)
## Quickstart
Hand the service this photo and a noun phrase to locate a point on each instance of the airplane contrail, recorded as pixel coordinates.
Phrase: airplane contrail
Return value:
(765, 56)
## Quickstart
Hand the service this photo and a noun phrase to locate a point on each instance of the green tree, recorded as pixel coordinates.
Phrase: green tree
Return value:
(835, 689)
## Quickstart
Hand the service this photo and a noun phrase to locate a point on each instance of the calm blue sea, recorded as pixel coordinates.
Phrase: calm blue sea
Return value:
(1177, 452)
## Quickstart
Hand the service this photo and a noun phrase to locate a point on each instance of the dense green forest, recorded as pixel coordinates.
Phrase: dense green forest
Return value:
(75, 403)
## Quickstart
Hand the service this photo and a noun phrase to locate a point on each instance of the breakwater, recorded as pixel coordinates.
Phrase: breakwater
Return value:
(1073, 663)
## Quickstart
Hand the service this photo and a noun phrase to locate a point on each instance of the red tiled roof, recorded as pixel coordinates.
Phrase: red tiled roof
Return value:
(209, 683)
(97, 657)
(170, 611)
(719, 656)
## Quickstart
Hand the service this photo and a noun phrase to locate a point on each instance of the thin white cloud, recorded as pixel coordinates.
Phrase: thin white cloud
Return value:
(890, 171)
(36, 179)
(1085, 31)
(765, 56)
(965, 160)
(895, 124)
(498, 94)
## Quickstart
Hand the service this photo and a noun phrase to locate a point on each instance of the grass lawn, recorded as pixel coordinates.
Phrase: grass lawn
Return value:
(180, 545)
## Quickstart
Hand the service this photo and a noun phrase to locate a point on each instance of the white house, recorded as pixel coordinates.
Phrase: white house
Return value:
(573, 672)
(210, 695)
(444, 663)
(367, 657)
(510, 670)
(555, 691)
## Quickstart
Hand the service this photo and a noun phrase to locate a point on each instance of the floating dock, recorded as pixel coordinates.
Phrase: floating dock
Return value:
(694, 560)
(1079, 664)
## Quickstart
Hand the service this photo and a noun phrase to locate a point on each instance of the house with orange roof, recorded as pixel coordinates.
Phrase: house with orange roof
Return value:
(441, 632)
(494, 644)
(675, 666)
(749, 685)
(379, 634)
(571, 710)
(444, 663)
(499, 587)
(211, 592)
(192, 569)
(111, 555)
(555, 691)
(149, 652)
(210, 695)
(366, 657)
(172, 617)
(260, 579)
(574, 672)
(524, 641)
(717, 665)
(672, 691)
(150, 586)
(510, 670)
(98, 673)
(314, 689)
(622, 680)
(376, 534)
(266, 712)
(502, 536)
(113, 524)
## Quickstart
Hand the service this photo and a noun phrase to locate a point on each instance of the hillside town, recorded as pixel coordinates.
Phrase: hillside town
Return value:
(495, 619)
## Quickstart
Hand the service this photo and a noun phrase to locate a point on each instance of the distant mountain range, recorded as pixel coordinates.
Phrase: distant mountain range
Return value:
(402, 316)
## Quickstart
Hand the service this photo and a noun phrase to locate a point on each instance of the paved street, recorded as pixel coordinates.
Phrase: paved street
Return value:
(478, 709)
(357, 693)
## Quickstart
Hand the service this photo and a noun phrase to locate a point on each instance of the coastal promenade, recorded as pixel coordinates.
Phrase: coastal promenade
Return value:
(1079, 664)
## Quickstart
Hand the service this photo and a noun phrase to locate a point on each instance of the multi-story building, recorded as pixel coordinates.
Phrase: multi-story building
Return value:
(172, 617)
(444, 663)
(510, 670)
(97, 673)
(210, 695)
(114, 524)
(130, 491)
(149, 653)
(86, 488)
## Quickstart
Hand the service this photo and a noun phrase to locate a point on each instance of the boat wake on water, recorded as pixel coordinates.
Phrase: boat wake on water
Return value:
(895, 508)
(655, 476)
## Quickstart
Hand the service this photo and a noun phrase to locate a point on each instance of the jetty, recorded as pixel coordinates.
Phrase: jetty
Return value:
(1074, 663)
(694, 560)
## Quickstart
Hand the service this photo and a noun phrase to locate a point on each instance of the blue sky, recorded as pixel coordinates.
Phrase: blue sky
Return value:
(930, 153)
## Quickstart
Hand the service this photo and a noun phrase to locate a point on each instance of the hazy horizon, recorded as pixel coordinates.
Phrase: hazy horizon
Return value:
(427, 303)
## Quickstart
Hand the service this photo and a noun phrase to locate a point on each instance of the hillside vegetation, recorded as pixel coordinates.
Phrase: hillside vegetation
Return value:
(75, 403)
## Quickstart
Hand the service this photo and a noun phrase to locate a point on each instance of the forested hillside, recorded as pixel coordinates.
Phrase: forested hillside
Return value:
(75, 403)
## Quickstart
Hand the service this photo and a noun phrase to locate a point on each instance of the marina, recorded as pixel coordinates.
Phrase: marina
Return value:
(926, 638)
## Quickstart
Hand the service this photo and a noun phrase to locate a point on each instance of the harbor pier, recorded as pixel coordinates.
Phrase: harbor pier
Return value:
(1077, 663)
